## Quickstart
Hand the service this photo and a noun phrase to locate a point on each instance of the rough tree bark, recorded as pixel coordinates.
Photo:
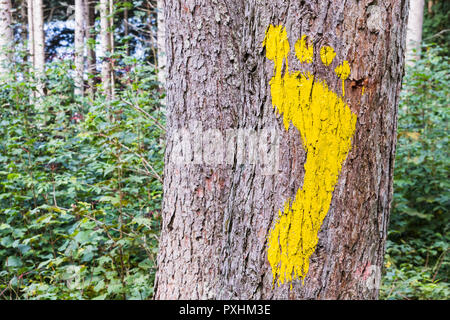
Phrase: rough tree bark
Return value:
(218, 219)
(414, 31)
(6, 36)
(79, 46)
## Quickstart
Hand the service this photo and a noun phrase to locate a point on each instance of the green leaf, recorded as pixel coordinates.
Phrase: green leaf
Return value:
(13, 261)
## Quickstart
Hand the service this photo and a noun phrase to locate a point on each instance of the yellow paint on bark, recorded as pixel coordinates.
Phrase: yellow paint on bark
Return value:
(304, 52)
(343, 71)
(327, 55)
(326, 125)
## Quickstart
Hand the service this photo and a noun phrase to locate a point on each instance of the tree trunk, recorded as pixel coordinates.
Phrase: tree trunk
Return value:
(38, 28)
(30, 33)
(38, 44)
(111, 42)
(105, 43)
(430, 6)
(6, 37)
(304, 214)
(161, 39)
(414, 31)
(79, 46)
(23, 23)
(89, 12)
(125, 30)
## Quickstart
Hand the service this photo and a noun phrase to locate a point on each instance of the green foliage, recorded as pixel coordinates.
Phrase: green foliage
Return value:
(80, 190)
(436, 24)
(417, 264)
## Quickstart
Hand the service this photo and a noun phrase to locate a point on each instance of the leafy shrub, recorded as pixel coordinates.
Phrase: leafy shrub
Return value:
(417, 264)
(435, 25)
(80, 189)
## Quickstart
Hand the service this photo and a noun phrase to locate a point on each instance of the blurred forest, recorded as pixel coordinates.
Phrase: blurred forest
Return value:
(416, 261)
(81, 156)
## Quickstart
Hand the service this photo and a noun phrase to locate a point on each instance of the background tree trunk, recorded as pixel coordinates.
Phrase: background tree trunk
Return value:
(414, 31)
(6, 36)
(111, 42)
(125, 30)
(23, 21)
(38, 44)
(161, 39)
(430, 6)
(217, 219)
(89, 12)
(30, 33)
(79, 46)
(105, 43)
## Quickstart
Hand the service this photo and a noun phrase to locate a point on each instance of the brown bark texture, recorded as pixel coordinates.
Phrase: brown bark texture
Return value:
(217, 218)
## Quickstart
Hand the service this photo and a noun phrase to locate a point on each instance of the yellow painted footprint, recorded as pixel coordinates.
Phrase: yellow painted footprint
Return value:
(326, 126)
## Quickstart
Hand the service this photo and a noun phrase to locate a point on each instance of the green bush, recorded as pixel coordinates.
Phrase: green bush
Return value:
(435, 25)
(80, 189)
(417, 264)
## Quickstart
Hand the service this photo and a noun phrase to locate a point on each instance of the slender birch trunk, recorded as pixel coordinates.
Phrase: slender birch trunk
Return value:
(90, 37)
(79, 46)
(6, 37)
(105, 43)
(161, 38)
(414, 31)
(23, 22)
(39, 44)
(125, 27)
(111, 41)
(30, 34)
